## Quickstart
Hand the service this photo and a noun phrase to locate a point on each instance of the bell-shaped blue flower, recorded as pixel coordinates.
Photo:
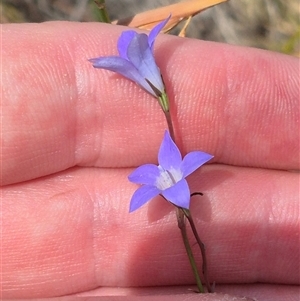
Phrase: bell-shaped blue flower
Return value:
(168, 178)
(136, 61)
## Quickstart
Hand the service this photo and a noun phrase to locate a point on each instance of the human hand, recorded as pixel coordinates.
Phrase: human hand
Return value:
(72, 134)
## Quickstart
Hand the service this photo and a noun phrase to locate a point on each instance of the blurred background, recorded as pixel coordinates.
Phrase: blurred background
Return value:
(267, 24)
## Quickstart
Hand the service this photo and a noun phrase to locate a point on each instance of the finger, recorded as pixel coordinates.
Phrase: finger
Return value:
(266, 292)
(153, 294)
(72, 232)
(174, 293)
(238, 104)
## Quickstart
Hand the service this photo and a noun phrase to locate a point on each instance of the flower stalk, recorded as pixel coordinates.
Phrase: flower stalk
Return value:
(182, 226)
(170, 124)
(188, 215)
(165, 105)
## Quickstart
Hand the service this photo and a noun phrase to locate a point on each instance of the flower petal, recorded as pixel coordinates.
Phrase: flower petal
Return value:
(123, 67)
(179, 194)
(142, 58)
(124, 41)
(145, 174)
(169, 156)
(193, 161)
(155, 31)
(142, 195)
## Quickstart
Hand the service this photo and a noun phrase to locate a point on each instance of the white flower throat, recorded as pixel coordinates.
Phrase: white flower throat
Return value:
(168, 178)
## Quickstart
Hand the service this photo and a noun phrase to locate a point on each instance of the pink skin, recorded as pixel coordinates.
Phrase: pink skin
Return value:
(71, 134)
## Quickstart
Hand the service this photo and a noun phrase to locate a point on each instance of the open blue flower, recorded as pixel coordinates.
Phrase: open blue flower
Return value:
(136, 61)
(168, 178)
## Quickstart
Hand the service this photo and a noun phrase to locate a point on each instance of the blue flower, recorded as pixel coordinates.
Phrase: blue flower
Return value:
(136, 61)
(168, 178)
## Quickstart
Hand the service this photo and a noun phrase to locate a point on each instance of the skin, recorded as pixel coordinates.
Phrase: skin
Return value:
(71, 134)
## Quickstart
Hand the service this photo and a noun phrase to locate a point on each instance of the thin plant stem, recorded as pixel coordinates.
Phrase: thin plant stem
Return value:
(188, 215)
(102, 14)
(164, 103)
(182, 226)
(170, 124)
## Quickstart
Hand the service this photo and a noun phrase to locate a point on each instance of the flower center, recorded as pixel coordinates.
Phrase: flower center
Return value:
(168, 178)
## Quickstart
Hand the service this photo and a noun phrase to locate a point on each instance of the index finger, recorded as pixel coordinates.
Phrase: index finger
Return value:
(239, 104)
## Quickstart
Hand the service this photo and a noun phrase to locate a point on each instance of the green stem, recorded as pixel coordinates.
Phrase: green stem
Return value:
(164, 103)
(170, 124)
(163, 100)
(102, 15)
(188, 215)
(182, 226)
